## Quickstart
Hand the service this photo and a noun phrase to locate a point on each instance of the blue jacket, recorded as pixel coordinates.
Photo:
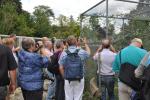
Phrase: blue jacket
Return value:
(30, 70)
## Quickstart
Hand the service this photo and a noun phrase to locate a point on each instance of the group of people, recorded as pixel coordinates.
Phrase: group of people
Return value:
(40, 60)
(63, 63)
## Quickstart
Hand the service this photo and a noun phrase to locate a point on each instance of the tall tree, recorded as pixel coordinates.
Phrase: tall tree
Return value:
(41, 17)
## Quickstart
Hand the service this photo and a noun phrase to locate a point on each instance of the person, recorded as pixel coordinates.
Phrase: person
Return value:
(10, 43)
(54, 68)
(8, 65)
(13, 36)
(48, 47)
(30, 75)
(125, 63)
(106, 55)
(73, 88)
(142, 72)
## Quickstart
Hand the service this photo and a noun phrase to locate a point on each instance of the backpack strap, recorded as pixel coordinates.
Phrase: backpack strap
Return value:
(120, 57)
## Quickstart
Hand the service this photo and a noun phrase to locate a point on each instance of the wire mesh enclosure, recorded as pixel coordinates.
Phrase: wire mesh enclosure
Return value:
(111, 17)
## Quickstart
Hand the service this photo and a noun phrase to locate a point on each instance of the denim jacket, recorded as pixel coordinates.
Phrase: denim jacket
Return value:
(30, 70)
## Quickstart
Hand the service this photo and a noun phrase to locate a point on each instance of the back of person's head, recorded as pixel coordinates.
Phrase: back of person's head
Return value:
(8, 41)
(59, 44)
(71, 40)
(27, 43)
(44, 39)
(12, 36)
(137, 42)
(106, 43)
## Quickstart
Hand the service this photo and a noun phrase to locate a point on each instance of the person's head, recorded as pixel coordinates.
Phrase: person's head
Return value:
(28, 44)
(59, 46)
(71, 40)
(49, 45)
(8, 42)
(105, 43)
(13, 36)
(44, 40)
(137, 42)
(65, 44)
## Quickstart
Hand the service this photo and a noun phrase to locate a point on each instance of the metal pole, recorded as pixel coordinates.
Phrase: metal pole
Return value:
(107, 21)
(81, 18)
(123, 29)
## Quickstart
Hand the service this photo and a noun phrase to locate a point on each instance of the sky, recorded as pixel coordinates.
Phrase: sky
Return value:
(64, 7)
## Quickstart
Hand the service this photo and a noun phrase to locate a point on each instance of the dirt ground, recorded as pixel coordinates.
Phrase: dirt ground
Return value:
(18, 94)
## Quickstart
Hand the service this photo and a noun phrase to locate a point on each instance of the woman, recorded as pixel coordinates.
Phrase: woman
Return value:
(106, 55)
(30, 70)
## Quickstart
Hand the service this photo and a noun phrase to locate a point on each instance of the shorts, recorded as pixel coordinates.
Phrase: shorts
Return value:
(3, 92)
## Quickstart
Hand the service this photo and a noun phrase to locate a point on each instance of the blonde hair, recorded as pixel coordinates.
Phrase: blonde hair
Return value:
(8, 41)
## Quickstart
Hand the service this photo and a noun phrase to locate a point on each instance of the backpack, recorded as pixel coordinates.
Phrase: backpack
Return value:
(53, 65)
(73, 66)
(126, 75)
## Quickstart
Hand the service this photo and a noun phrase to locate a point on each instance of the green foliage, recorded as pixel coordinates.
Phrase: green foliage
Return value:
(8, 16)
(42, 22)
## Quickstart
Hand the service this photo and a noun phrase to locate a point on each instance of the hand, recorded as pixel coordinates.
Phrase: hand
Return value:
(84, 40)
(44, 52)
(12, 88)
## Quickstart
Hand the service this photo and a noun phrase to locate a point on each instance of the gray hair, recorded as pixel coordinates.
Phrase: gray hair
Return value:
(27, 43)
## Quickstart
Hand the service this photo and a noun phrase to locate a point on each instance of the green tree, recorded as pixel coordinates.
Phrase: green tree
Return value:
(42, 23)
(8, 16)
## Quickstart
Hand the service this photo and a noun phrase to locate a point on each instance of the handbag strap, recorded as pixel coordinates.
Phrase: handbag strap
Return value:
(120, 57)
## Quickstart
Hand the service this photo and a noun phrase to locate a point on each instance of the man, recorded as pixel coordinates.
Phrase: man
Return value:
(105, 55)
(73, 88)
(131, 57)
(7, 65)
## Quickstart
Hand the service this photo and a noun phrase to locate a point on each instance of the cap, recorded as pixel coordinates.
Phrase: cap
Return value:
(137, 40)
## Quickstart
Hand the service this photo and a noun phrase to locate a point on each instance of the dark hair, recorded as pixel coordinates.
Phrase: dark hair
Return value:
(59, 44)
(12, 35)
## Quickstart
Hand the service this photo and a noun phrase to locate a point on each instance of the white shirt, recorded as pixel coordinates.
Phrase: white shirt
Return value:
(107, 57)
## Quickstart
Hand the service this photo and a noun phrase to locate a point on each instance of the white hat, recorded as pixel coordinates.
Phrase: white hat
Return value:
(137, 40)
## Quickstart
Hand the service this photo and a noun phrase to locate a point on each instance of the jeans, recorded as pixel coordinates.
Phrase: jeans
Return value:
(107, 87)
(51, 87)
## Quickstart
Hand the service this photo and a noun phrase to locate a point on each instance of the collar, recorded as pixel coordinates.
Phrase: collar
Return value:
(72, 47)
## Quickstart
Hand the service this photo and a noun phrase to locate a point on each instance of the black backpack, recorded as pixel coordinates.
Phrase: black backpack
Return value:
(126, 75)
(53, 65)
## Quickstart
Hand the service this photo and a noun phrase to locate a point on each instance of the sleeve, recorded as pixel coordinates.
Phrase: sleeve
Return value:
(45, 61)
(140, 69)
(12, 64)
(84, 55)
(116, 64)
(62, 58)
(95, 57)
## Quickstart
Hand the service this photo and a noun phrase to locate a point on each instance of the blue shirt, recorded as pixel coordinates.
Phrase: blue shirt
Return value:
(30, 70)
(130, 54)
(82, 53)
